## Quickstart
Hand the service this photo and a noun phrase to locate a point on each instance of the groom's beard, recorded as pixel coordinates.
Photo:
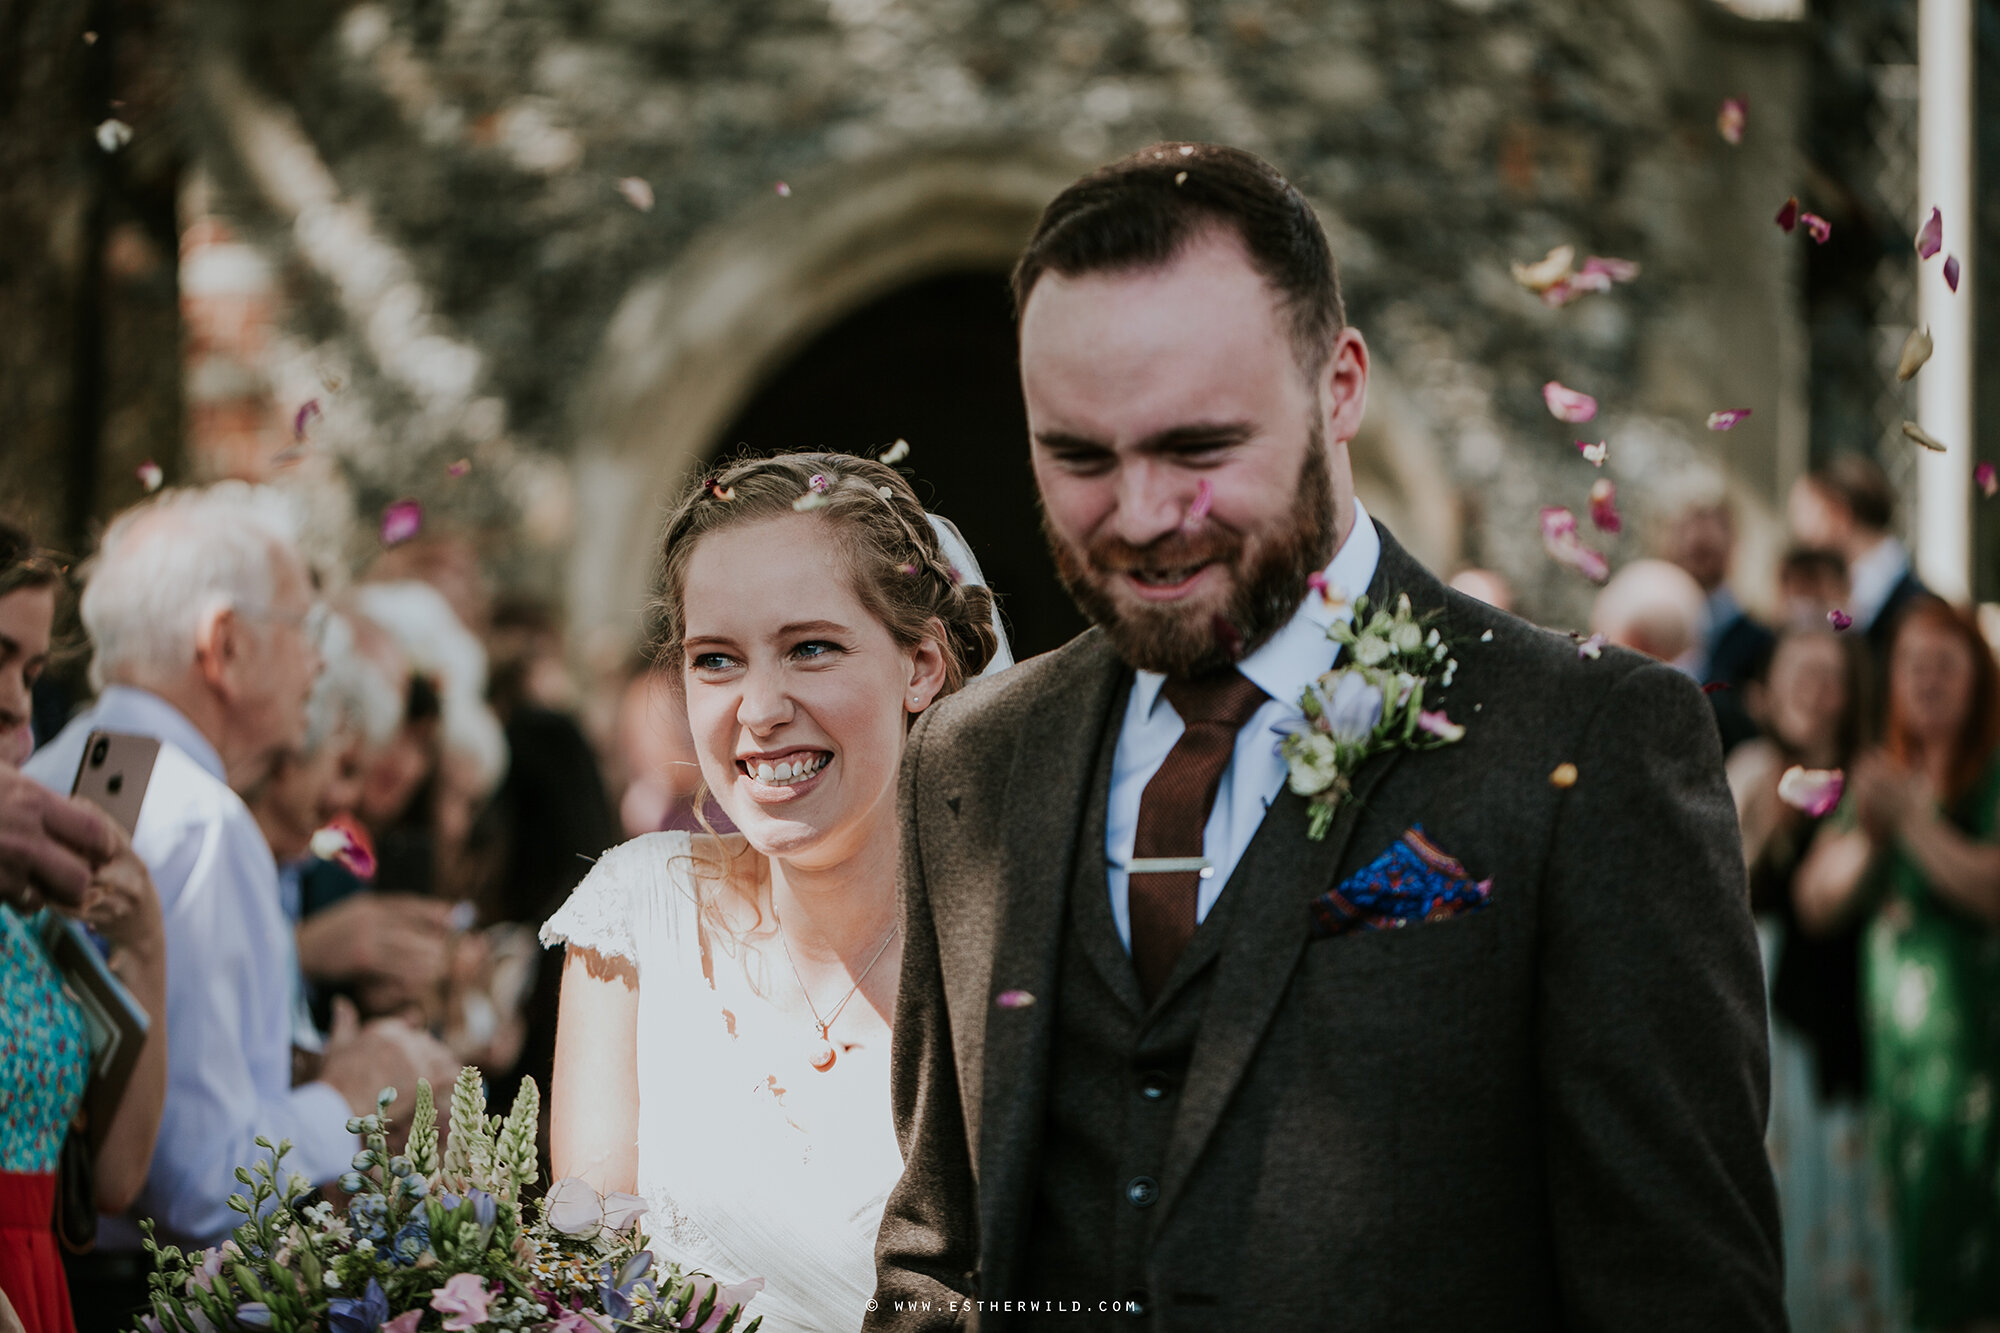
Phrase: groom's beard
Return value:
(1267, 580)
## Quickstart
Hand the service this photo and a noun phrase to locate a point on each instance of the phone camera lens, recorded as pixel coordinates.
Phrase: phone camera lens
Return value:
(98, 751)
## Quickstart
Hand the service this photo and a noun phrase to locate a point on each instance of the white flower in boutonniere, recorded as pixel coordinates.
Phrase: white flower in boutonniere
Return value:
(1372, 701)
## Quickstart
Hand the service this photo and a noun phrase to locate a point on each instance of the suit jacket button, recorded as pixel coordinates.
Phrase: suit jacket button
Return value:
(1142, 1192)
(1154, 1085)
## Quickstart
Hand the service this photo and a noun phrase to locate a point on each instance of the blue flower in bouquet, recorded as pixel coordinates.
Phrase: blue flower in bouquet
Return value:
(359, 1314)
(254, 1314)
(369, 1214)
(622, 1284)
(411, 1241)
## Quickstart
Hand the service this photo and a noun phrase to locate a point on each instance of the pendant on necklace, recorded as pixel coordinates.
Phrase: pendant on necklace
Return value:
(823, 1055)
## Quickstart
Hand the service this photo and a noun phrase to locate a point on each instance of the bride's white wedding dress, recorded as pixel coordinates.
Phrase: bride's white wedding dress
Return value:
(750, 1169)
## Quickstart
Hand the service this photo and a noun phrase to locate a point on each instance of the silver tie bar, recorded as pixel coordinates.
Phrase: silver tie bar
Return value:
(1170, 865)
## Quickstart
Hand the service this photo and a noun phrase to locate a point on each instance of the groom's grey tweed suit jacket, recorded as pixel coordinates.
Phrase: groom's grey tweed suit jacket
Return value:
(1545, 1114)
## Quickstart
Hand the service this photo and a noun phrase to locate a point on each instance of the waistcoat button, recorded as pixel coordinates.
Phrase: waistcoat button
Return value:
(1154, 1085)
(1142, 1192)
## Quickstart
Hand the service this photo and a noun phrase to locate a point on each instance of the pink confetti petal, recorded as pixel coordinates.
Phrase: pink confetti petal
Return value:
(1568, 405)
(1559, 539)
(1989, 481)
(150, 476)
(1591, 648)
(1930, 238)
(308, 411)
(1839, 619)
(784, 190)
(1593, 454)
(637, 191)
(1014, 999)
(895, 453)
(401, 521)
(1727, 418)
(1813, 790)
(458, 469)
(1204, 499)
(1788, 216)
(1951, 272)
(1818, 227)
(1612, 270)
(1731, 119)
(345, 843)
(1604, 506)
(1435, 723)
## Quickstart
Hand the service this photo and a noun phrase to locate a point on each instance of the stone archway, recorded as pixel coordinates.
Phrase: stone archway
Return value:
(692, 344)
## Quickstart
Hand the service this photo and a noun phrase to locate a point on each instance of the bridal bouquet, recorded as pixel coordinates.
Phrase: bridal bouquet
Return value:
(435, 1242)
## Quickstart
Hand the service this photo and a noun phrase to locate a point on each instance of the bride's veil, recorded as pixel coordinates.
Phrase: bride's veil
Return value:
(958, 554)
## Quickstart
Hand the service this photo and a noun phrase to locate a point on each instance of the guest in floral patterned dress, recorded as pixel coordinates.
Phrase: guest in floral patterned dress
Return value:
(59, 855)
(1918, 839)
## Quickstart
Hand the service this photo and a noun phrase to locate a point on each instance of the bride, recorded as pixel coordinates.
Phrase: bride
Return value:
(723, 1045)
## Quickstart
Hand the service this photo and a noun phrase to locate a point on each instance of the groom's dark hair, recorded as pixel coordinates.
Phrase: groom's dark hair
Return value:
(1138, 212)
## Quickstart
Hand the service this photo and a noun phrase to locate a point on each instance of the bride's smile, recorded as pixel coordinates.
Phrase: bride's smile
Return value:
(798, 696)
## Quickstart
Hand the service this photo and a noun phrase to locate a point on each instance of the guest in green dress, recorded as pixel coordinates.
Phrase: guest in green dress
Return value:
(1917, 843)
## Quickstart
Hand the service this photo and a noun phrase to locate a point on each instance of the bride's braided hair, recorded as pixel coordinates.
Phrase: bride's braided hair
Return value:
(894, 561)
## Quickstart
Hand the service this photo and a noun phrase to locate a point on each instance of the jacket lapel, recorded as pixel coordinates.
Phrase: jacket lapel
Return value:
(1047, 791)
(1279, 874)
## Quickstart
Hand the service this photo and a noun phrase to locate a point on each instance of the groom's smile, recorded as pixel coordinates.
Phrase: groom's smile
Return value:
(1182, 451)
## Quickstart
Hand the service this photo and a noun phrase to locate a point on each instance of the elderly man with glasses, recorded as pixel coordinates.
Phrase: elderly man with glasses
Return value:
(202, 617)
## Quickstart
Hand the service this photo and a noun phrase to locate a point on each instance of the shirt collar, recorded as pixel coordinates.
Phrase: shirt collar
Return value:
(1874, 576)
(129, 708)
(1299, 653)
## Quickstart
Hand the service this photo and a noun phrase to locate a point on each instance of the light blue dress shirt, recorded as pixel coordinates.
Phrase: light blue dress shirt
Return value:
(1292, 659)
(231, 977)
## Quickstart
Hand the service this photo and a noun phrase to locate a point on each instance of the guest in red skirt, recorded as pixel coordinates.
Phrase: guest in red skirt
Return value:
(59, 855)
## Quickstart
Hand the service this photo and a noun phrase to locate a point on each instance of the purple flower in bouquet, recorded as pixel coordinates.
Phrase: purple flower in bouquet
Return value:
(1354, 709)
(359, 1314)
(485, 1210)
(621, 1284)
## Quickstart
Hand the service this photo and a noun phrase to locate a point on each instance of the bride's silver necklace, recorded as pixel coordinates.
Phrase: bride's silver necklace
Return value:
(823, 1055)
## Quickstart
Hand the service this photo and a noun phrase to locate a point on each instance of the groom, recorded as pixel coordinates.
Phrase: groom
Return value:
(1489, 1054)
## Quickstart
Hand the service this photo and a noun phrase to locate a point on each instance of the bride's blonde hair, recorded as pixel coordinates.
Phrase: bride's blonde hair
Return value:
(894, 564)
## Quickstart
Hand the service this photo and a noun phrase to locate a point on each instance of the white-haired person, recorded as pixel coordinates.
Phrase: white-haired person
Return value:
(390, 950)
(1652, 607)
(201, 618)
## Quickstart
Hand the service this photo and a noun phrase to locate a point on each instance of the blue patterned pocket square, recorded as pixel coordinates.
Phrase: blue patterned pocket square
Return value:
(1411, 883)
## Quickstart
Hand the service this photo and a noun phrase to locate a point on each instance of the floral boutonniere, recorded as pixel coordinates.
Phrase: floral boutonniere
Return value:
(1372, 701)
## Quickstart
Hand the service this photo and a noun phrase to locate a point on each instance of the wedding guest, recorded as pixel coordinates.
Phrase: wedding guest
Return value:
(424, 848)
(1696, 530)
(387, 951)
(803, 644)
(1488, 585)
(1848, 507)
(1651, 607)
(82, 867)
(1812, 585)
(1915, 847)
(1809, 707)
(200, 616)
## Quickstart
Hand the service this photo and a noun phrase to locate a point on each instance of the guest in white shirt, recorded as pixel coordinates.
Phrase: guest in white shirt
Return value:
(201, 615)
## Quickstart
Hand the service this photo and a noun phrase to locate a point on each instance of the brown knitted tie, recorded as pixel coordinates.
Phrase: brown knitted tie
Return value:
(1174, 811)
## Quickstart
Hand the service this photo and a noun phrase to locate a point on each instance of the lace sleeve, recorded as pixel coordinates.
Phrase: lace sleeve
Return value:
(607, 909)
